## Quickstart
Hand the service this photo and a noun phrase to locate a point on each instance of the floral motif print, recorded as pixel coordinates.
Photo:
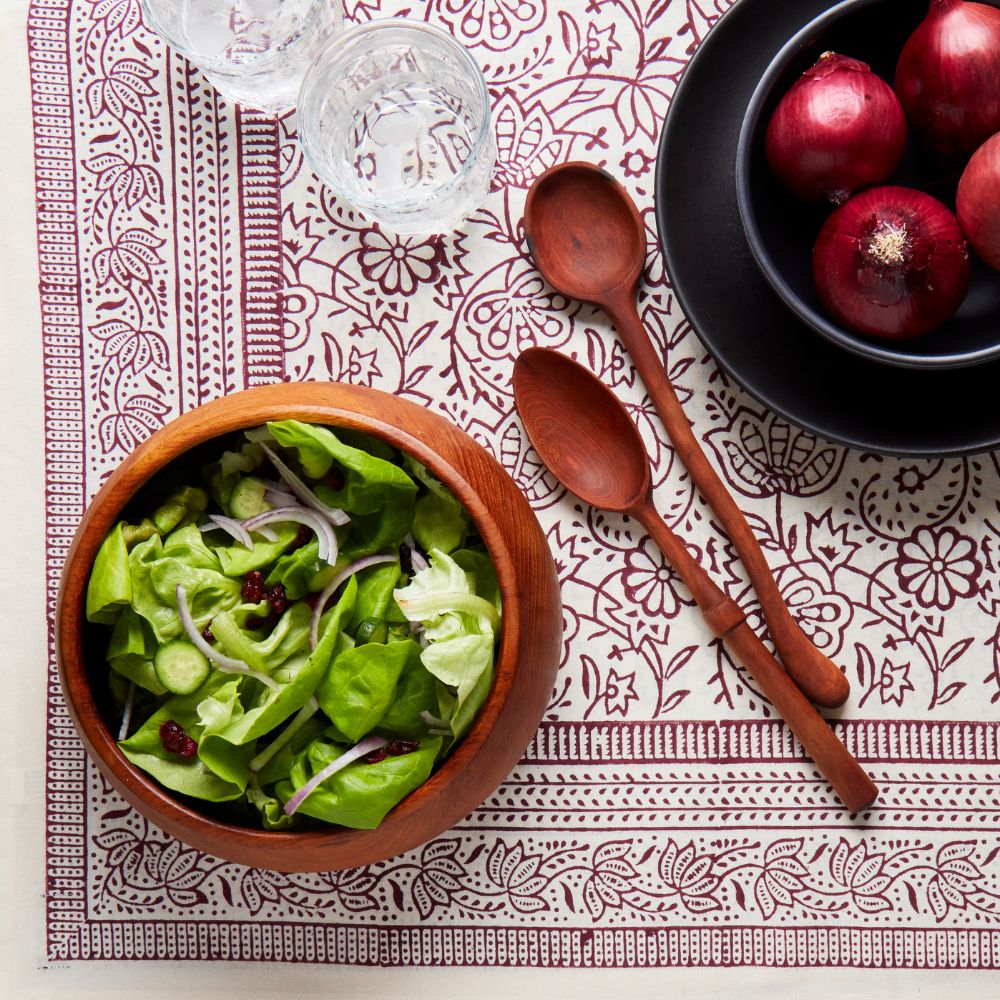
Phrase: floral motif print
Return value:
(956, 883)
(863, 875)
(398, 264)
(938, 567)
(124, 89)
(690, 876)
(780, 876)
(611, 878)
(764, 844)
(121, 181)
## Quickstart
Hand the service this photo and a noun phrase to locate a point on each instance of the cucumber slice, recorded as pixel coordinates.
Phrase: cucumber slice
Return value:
(247, 498)
(181, 667)
(372, 630)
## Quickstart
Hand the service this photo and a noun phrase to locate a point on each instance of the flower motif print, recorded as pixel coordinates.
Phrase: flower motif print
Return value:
(781, 876)
(910, 479)
(526, 143)
(938, 566)
(894, 682)
(955, 881)
(137, 418)
(497, 24)
(821, 612)
(511, 869)
(617, 691)
(134, 349)
(863, 875)
(439, 878)
(635, 163)
(611, 877)
(767, 456)
(398, 264)
(120, 15)
(689, 876)
(125, 88)
(650, 581)
(600, 46)
(129, 259)
(122, 182)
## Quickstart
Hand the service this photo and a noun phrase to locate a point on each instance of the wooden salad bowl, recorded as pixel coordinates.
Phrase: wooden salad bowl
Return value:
(530, 640)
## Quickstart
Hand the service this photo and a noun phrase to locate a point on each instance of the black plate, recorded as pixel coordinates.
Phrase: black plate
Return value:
(749, 331)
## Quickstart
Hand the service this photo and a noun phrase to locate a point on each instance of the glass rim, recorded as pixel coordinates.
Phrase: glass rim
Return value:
(340, 49)
(224, 66)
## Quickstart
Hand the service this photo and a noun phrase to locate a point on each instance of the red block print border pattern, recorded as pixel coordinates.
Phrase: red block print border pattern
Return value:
(187, 252)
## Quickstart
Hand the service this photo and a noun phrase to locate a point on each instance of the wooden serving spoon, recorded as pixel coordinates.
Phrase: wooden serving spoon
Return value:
(586, 438)
(589, 242)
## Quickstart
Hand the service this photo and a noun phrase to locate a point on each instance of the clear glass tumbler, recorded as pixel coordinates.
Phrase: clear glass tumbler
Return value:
(255, 52)
(395, 119)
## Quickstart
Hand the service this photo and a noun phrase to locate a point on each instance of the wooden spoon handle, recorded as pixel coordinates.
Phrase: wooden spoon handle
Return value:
(849, 780)
(815, 673)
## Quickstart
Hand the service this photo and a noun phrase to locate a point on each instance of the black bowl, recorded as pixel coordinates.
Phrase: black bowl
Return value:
(781, 230)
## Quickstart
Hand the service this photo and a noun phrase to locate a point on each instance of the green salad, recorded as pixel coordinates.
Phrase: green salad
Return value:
(305, 633)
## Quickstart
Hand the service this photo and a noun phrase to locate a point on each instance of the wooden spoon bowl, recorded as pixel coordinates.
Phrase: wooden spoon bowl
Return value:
(530, 642)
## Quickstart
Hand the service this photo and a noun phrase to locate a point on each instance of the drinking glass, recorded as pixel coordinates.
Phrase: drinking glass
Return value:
(395, 118)
(255, 52)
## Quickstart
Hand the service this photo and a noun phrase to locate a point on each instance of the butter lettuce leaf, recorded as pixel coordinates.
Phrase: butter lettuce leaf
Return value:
(361, 794)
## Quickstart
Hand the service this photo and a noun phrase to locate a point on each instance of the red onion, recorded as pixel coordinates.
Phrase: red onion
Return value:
(891, 263)
(948, 77)
(328, 545)
(333, 514)
(839, 128)
(232, 527)
(366, 746)
(978, 201)
(355, 567)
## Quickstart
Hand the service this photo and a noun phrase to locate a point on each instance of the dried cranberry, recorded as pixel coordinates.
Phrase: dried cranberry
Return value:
(278, 599)
(253, 587)
(335, 478)
(170, 730)
(396, 748)
(253, 622)
(375, 756)
(312, 600)
(207, 634)
(175, 740)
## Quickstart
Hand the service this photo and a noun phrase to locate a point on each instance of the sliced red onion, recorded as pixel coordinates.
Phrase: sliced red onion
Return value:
(308, 710)
(234, 528)
(417, 561)
(127, 711)
(328, 547)
(226, 664)
(333, 514)
(348, 571)
(366, 746)
(280, 498)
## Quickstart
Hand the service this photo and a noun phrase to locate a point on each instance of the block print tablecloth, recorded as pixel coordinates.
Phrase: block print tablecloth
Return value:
(661, 816)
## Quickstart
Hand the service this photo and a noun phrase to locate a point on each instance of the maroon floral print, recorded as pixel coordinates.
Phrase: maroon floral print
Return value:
(938, 567)
(206, 258)
(398, 264)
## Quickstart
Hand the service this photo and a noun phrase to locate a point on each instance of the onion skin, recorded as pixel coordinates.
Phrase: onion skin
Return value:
(891, 263)
(978, 201)
(838, 129)
(948, 77)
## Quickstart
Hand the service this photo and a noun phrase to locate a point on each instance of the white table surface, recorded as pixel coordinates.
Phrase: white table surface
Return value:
(23, 969)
